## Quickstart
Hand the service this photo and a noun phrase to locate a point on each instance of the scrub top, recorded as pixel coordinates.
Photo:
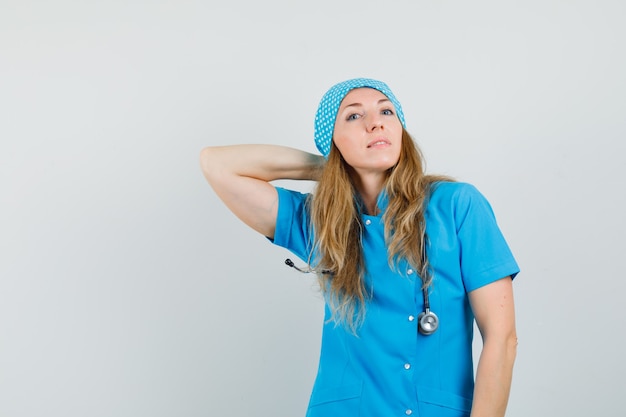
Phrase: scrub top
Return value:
(388, 368)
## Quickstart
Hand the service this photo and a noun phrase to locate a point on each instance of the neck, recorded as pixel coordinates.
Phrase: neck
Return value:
(369, 188)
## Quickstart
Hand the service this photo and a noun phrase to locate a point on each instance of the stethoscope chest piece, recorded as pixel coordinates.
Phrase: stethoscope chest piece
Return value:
(427, 322)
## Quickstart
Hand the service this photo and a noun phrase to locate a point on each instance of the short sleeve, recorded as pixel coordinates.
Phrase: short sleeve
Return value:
(485, 255)
(293, 230)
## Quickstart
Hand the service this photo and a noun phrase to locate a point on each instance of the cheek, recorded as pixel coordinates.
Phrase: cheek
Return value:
(345, 132)
(341, 141)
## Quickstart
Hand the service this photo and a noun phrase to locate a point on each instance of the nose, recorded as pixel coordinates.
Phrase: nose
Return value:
(374, 122)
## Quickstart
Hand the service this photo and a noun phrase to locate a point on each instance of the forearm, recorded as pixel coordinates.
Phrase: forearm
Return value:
(263, 162)
(493, 377)
(240, 175)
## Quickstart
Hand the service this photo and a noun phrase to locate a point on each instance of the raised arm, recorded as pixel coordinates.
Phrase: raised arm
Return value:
(495, 316)
(241, 175)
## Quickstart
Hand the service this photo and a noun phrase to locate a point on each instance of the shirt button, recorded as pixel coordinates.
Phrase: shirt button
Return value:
(407, 366)
(411, 318)
(368, 222)
(408, 412)
(410, 271)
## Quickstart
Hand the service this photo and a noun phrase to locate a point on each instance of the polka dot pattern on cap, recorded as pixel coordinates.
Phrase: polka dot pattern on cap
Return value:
(329, 106)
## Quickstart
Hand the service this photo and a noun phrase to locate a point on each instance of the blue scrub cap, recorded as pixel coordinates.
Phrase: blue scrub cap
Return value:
(329, 106)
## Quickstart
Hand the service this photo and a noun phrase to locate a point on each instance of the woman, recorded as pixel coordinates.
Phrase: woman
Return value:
(406, 261)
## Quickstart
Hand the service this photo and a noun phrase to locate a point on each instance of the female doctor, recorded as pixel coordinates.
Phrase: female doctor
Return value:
(406, 261)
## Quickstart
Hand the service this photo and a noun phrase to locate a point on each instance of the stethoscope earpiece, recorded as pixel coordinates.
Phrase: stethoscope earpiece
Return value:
(308, 269)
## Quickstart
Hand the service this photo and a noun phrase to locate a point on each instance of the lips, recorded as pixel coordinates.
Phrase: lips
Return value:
(378, 142)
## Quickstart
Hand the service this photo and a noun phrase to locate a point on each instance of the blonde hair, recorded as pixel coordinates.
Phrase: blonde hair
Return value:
(336, 220)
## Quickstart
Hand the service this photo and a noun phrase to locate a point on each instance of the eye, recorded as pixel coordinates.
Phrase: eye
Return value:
(387, 112)
(353, 116)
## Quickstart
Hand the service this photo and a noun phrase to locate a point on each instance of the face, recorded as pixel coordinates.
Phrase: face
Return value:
(367, 131)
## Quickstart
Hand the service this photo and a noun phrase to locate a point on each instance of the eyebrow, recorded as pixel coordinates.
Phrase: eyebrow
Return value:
(357, 104)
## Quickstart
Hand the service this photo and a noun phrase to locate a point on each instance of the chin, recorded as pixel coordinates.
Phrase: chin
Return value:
(389, 163)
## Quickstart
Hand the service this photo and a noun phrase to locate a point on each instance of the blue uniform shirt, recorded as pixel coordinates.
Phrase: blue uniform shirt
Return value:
(390, 369)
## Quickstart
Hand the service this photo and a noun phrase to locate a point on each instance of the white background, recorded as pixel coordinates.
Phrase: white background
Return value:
(127, 289)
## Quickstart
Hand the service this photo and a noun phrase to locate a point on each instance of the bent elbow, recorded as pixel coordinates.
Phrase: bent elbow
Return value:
(205, 157)
(208, 162)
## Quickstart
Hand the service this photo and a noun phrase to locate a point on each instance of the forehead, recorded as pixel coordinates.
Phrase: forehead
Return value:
(359, 95)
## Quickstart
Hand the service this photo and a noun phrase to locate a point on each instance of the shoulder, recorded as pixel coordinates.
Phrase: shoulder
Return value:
(458, 201)
(291, 197)
(291, 194)
(455, 192)
(291, 201)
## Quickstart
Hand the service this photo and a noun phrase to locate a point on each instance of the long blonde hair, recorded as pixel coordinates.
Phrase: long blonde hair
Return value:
(336, 221)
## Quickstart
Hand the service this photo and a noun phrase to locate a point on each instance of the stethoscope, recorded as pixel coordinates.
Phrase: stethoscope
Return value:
(427, 321)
